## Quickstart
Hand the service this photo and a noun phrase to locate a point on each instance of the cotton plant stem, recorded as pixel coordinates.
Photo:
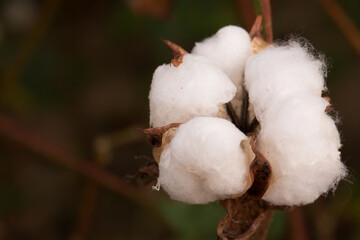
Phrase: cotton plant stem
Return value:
(266, 12)
(246, 12)
(298, 224)
(51, 151)
(343, 21)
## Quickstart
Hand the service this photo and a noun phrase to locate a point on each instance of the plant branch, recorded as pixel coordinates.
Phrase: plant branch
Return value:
(246, 13)
(343, 21)
(56, 154)
(297, 223)
(266, 12)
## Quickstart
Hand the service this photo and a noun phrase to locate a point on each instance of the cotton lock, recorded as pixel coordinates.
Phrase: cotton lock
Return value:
(280, 71)
(204, 162)
(196, 87)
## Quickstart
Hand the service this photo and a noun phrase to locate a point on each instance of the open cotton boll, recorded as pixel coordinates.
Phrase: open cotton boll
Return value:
(204, 162)
(196, 87)
(228, 49)
(302, 143)
(281, 71)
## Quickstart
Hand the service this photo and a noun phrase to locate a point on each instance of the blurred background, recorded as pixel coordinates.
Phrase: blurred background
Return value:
(74, 81)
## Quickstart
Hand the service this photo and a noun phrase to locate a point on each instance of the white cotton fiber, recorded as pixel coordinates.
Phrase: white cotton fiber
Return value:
(196, 87)
(281, 71)
(302, 143)
(204, 162)
(228, 49)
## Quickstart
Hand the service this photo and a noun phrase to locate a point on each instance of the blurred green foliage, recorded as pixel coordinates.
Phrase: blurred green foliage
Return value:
(89, 75)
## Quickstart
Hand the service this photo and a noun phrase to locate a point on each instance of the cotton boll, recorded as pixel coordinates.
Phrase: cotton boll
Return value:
(302, 144)
(196, 87)
(228, 49)
(281, 71)
(204, 162)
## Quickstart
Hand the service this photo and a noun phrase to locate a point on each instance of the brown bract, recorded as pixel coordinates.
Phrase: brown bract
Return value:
(160, 137)
(260, 170)
(329, 108)
(177, 51)
(257, 41)
(154, 135)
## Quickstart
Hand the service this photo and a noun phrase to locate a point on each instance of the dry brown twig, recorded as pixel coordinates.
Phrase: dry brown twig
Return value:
(246, 12)
(53, 152)
(343, 21)
(266, 12)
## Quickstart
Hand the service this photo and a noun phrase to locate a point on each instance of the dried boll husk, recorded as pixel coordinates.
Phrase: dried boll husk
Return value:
(160, 137)
(208, 159)
(166, 139)
(196, 87)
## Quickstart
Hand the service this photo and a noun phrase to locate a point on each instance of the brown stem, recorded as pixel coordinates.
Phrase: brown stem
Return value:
(298, 225)
(53, 152)
(343, 21)
(245, 11)
(266, 11)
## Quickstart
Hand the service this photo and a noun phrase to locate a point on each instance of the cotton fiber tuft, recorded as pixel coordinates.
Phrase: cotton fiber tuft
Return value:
(196, 87)
(280, 71)
(204, 162)
(302, 144)
(228, 49)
